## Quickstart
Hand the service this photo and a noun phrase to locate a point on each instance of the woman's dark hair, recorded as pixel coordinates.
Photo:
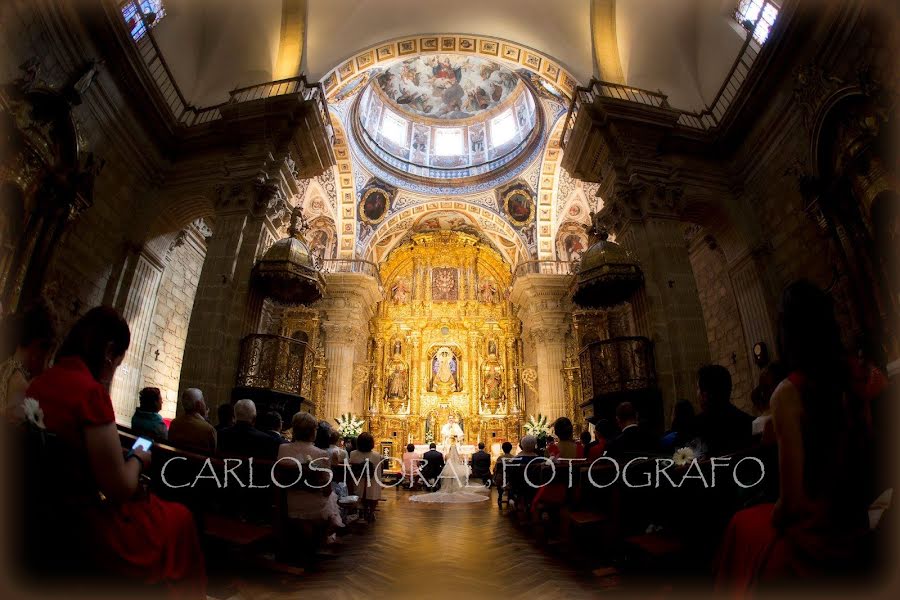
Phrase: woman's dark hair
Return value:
(37, 323)
(323, 435)
(683, 417)
(334, 437)
(410, 448)
(269, 421)
(100, 327)
(365, 442)
(809, 339)
(507, 447)
(585, 437)
(605, 428)
(150, 398)
(563, 429)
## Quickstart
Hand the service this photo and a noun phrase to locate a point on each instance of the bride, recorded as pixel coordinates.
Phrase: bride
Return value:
(454, 479)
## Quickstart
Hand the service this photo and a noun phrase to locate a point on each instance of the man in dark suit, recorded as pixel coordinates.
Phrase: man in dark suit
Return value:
(243, 439)
(433, 465)
(633, 439)
(722, 426)
(481, 465)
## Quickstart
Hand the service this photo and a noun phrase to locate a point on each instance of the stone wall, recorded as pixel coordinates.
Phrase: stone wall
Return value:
(727, 346)
(168, 330)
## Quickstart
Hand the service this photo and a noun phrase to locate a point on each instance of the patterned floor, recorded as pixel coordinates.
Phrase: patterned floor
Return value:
(427, 552)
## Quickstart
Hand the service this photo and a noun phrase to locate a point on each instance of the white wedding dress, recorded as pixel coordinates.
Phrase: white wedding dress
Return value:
(455, 488)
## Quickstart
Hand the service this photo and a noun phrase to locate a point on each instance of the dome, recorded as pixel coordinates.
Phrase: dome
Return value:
(447, 116)
(607, 275)
(286, 273)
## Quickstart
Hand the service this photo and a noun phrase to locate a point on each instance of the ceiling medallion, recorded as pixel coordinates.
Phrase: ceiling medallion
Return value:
(373, 206)
(518, 204)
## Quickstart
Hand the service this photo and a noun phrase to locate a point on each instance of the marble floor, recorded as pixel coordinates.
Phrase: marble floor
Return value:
(425, 551)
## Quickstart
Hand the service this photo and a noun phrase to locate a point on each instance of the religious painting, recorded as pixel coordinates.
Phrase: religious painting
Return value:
(346, 69)
(321, 239)
(489, 292)
(492, 384)
(442, 220)
(445, 284)
(400, 291)
(397, 382)
(476, 140)
(488, 47)
(330, 81)
(518, 206)
(446, 86)
(420, 137)
(373, 206)
(444, 371)
(572, 241)
(492, 348)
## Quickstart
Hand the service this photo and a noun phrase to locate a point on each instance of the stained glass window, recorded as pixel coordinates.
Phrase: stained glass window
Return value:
(747, 13)
(152, 10)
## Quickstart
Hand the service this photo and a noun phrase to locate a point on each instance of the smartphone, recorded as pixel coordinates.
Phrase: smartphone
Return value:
(142, 444)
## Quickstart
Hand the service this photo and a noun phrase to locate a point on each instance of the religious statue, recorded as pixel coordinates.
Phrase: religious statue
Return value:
(400, 292)
(397, 381)
(451, 430)
(444, 370)
(492, 385)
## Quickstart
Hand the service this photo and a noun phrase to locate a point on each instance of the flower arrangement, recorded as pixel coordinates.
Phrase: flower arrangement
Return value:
(537, 426)
(349, 425)
(33, 413)
(683, 456)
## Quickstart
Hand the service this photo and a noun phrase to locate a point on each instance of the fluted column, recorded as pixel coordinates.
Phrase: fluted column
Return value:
(542, 305)
(348, 306)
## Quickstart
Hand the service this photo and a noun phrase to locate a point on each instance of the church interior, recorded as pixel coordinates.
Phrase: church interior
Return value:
(542, 244)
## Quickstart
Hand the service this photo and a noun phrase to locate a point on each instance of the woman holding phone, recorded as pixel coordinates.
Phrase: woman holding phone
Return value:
(137, 534)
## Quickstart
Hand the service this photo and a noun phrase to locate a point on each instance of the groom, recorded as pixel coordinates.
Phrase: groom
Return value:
(431, 469)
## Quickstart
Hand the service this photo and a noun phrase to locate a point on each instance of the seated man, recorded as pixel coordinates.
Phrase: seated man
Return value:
(722, 426)
(481, 465)
(190, 430)
(225, 413)
(270, 423)
(146, 421)
(633, 439)
(243, 439)
(434, 464)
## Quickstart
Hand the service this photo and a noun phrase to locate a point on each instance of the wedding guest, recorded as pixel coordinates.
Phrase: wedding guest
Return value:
(410, 464)
(338, 454)
(323, 435)
(131, 533)
(682, 431)
(499, 471)
(585, 443)
(146, 420)
(433, 465)
(369, 487)
(604, 432)
(632, 439)
(309, 505)
(270, 423)
(769, 378)
(33, 335)
(242, 438)
(225, 414)
(481, 465)
(190, 429)
(819, 522)
(565, 447)
(722, 426)
(527, 447)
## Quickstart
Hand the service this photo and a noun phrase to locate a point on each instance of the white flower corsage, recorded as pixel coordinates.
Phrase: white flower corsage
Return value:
(33, 413)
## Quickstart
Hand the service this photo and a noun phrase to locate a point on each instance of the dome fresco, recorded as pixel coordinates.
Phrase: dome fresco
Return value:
(446, 86)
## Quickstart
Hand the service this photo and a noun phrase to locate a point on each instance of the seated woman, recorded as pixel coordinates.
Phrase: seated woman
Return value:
(769, 378)
(132, 533)
(309, 505)
(146, 420)
(33, 336)
(817, 525)
(566, 446)
(604, 431)
(368, 488)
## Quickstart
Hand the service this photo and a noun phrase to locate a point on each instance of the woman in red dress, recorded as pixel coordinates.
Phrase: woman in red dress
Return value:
(819, 521)
(135, 534)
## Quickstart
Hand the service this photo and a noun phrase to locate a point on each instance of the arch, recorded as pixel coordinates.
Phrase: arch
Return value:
(493, 226)
(548, 186)
(498, 49)
(345, 218)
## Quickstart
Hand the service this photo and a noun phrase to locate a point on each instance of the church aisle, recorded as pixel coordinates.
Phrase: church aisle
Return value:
(429, 552)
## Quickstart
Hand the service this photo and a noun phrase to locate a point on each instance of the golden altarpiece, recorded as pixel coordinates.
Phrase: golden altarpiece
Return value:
(445, 342)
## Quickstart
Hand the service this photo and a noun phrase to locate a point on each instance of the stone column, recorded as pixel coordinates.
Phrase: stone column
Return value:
(348, 306)
(542, 305)
(243, 231)
(667, 309)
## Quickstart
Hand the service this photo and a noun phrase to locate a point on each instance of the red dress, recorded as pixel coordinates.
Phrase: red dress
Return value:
(754, 552)
(145, 538)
